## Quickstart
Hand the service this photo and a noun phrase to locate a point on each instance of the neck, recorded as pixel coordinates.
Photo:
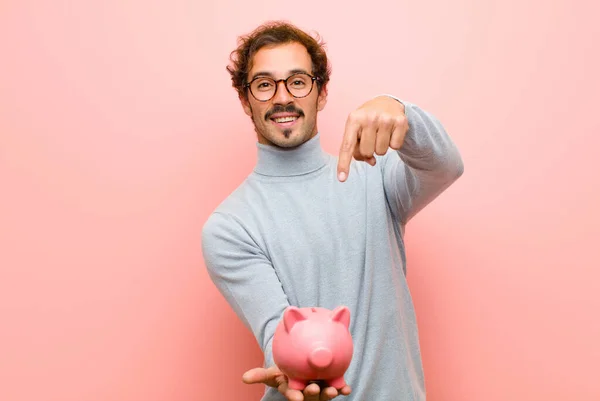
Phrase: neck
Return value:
(279, 162)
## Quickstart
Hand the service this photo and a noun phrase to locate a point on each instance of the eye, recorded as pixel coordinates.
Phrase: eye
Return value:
(298, 82)
(263, 84)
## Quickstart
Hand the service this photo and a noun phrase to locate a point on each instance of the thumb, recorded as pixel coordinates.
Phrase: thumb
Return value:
(261, 375)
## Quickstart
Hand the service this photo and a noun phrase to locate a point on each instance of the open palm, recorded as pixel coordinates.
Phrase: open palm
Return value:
(273, 377)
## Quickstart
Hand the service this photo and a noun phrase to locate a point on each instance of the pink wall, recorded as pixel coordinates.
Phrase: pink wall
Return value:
(119, 133)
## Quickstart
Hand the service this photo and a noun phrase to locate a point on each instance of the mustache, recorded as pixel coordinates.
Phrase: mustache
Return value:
(290, 108)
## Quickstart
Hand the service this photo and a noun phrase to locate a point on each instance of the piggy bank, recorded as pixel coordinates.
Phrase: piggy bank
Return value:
(313, 344)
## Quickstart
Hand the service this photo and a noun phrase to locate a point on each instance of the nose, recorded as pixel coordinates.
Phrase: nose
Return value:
(282, 96)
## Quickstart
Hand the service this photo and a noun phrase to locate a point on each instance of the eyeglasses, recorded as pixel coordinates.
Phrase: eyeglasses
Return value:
(298, 85)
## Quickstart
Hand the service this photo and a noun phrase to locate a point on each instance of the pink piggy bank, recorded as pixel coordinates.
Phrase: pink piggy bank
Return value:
(313, 344)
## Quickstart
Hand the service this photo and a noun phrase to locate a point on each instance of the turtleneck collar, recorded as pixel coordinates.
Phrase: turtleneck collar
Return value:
(281, 162)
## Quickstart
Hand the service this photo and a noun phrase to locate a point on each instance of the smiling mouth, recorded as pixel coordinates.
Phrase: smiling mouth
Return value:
(283, 120)
(286, 123)
(284, 116)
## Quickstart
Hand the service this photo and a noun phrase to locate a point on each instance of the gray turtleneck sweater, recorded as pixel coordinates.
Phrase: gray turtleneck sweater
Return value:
(292, 234)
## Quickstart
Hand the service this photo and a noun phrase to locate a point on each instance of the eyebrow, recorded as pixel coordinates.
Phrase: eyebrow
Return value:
(268, 74)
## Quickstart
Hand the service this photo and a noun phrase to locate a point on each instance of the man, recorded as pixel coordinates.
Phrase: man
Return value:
(309, 229)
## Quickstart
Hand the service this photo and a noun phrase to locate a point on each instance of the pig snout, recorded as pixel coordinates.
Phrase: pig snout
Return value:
(320, 358)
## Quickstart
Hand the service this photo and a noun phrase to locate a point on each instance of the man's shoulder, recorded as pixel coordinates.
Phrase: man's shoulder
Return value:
(229, 213)
(240, 198)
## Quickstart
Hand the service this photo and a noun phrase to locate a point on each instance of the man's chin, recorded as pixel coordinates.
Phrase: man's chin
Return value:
(287, 138)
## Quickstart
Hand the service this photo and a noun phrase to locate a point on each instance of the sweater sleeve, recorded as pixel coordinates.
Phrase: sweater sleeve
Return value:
(245, 277)
(427, 163)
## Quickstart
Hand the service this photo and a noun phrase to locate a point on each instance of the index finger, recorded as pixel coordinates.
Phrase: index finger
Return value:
(347, 148)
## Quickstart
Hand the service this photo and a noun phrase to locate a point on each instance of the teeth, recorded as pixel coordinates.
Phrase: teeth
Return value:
(285, 119)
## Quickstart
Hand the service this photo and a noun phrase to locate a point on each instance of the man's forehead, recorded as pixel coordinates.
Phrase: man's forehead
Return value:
(281, 61)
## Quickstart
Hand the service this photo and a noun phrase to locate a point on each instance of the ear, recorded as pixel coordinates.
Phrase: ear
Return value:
(322, 99)
(291, 316)
(341, 314)
(246, 105)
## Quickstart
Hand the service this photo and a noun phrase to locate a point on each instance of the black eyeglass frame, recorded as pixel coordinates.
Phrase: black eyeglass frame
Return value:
(285, 83)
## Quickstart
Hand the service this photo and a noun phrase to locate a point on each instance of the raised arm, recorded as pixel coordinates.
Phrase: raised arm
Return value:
(423, 160)
(427, 163)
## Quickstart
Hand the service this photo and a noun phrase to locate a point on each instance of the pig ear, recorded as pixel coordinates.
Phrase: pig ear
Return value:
(291, 316)
(341, 314)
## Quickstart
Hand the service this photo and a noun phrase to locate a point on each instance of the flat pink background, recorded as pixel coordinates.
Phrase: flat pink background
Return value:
(120, 132)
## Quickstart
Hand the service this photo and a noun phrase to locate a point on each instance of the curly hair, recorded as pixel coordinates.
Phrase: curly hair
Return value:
(274, 33)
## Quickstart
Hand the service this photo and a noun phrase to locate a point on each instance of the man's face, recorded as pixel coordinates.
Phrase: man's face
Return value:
(279, 62)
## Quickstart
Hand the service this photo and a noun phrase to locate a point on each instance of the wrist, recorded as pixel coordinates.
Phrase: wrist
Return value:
(396, 101)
